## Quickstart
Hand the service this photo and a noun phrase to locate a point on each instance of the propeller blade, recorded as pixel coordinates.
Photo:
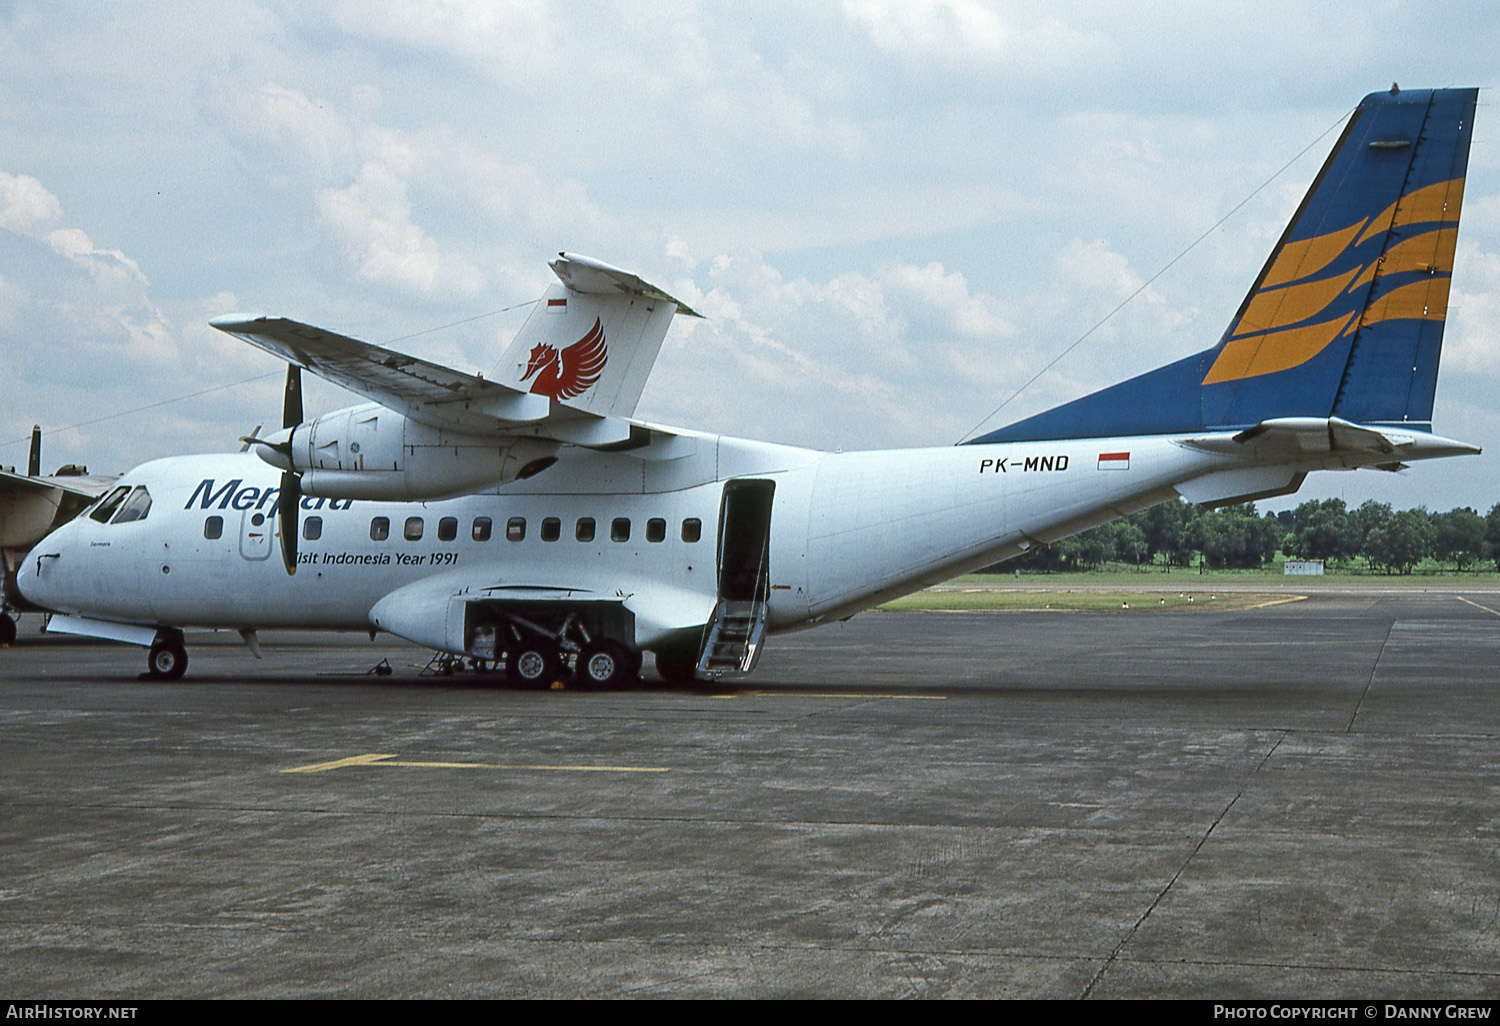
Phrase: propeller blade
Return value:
(288, 501)
(250, 439)
(34, 463)
(291, 403)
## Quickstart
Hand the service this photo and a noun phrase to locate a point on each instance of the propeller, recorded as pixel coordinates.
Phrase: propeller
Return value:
(289, 499)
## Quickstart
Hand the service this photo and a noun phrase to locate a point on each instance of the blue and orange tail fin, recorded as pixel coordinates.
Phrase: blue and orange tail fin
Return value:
(1346, 318)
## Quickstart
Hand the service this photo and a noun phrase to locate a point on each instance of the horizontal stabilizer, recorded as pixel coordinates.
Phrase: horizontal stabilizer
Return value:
(1289, 439)
(594, 277)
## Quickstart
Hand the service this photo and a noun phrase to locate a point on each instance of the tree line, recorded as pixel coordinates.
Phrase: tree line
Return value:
(1372, 536)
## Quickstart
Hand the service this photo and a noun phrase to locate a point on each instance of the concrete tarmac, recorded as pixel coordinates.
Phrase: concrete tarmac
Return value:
(1293, 801)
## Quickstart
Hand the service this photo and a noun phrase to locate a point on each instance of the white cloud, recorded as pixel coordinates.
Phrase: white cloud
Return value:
(1473, 311)
(372, 217)
(110, 268)
(896, 356)
(891, 213)
(971, 31)
(25, 206)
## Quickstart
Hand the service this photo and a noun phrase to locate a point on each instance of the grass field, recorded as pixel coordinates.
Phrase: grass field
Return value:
(955, 598)
(1126, 590)
(1156, 576)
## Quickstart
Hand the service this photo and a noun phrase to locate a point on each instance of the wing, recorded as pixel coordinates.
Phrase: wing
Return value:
(426, 392)
(30, 507)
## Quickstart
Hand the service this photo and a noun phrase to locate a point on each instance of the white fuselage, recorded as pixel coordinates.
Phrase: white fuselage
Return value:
(848, 530)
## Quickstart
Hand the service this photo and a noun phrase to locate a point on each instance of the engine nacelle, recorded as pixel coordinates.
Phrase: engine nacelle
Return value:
(373, 452)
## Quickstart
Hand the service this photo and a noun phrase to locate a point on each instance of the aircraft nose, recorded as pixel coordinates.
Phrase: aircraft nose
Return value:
(36, 576)
(26, 582)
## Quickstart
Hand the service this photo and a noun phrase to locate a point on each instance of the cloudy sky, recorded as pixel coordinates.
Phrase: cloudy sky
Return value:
(891, 212)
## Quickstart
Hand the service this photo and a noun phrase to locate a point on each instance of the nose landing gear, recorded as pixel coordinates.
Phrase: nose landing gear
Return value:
(167, 659)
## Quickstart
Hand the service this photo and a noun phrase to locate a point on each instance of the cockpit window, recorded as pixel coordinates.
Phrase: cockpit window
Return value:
(109, 504)
(135, 508)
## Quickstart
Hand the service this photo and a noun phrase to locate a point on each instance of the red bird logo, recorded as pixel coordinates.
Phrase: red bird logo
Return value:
(571, 371)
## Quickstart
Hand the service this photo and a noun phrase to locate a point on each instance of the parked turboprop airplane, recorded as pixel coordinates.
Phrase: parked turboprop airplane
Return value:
(530, 519)
(31, 507)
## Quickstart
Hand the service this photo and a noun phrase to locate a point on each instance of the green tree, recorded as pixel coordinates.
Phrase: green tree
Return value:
(1130, 543)
(1492, 533)
(1323, 531)
(1234, 537)
(1366, 518)
(1166, 529)
(1403, 542)
(1459, 537)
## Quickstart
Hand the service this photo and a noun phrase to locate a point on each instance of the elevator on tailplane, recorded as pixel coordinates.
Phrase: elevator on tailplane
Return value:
(533, 522)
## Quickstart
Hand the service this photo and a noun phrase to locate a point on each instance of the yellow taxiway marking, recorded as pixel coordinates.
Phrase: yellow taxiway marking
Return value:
(392, 760)
(1477, 605)
(831, 694)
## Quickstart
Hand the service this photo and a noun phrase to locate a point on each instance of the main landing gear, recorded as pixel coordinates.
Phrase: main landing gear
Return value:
(7, 629)
(600, 665)
(537, 649)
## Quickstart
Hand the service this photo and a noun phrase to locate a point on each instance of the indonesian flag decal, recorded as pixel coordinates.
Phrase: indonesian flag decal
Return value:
(563, 374)
(1114, 461)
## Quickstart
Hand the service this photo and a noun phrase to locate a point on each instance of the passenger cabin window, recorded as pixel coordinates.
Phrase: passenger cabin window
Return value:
(584, 532)
(515, 529)
(656, 530)
(413, 529)
(380, 529)
(692, 529)
(447, 528)
(109, 504)
(481, 531)
(135, 508)
(312, 528)
(213, 528)
(619, 529)
(551, 529)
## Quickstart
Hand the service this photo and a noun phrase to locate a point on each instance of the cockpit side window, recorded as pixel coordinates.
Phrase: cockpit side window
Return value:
(135, 508)
(109, 504)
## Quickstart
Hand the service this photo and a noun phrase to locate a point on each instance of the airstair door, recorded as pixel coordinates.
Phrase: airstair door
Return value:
(735, 633)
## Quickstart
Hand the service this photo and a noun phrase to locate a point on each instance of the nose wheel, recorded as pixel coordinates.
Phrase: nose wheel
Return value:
(167, 659)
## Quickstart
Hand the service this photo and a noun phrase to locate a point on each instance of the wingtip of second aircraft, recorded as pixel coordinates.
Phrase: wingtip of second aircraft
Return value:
(236, 321)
